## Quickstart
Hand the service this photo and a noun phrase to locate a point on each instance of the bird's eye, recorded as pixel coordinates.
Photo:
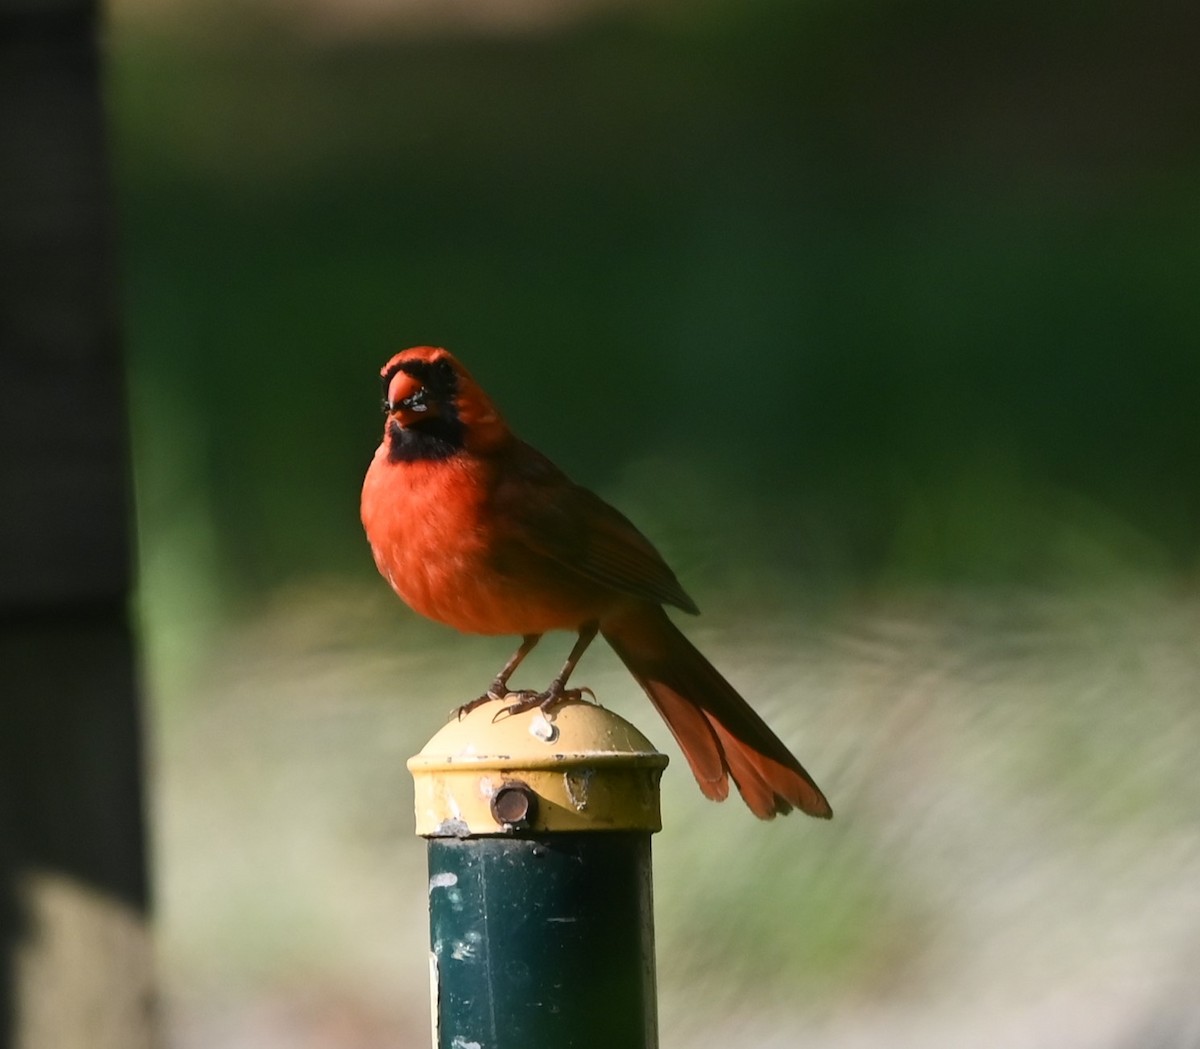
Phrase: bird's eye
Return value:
(415, 402)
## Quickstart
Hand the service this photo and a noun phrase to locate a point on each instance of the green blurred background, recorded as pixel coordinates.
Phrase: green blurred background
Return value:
(880, 318)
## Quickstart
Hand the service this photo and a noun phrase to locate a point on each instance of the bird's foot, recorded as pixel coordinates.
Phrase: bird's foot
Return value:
(490, 696)
(528, 699)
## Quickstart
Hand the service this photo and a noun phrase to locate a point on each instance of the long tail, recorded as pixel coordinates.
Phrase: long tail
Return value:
(720, 735)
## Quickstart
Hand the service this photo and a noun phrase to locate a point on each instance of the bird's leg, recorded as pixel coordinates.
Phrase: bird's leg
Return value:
(557, 690)
(499, 687)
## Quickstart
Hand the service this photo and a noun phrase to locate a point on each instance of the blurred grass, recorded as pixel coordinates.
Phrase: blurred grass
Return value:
(1014, 848)
(879, 318)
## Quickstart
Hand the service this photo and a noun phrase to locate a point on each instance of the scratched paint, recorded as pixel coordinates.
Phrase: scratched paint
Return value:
(579, 786)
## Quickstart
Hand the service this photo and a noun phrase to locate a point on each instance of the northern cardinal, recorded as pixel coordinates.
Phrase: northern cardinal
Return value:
(474, 528)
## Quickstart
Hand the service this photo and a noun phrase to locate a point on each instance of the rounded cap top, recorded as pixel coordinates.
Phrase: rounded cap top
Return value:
(575, 767)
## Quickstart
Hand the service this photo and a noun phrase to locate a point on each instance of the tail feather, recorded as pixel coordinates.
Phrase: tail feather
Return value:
(695, 734)
(763, 799)
(719, 733)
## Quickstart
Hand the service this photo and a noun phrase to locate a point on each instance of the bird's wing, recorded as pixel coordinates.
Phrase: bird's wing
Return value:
(554, 517)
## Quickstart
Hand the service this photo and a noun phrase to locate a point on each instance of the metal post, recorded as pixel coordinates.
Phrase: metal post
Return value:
(540, 905)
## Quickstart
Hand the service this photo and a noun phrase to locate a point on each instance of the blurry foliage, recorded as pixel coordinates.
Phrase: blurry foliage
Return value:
(912, 283)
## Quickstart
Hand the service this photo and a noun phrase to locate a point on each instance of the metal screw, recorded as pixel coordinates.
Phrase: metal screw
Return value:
(514, 806)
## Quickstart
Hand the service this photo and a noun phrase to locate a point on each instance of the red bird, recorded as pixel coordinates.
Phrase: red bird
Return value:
(476, 529)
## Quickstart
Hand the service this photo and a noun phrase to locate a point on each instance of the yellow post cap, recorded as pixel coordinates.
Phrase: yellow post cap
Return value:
(575, 767)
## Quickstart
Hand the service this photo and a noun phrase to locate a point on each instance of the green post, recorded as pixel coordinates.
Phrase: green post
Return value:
(540, 904)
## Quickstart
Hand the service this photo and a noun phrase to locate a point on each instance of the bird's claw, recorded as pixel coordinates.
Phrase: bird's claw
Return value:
(488, 697)
(527, 699)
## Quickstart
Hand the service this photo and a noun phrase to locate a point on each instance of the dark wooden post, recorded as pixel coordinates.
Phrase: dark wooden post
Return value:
(74, 944)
